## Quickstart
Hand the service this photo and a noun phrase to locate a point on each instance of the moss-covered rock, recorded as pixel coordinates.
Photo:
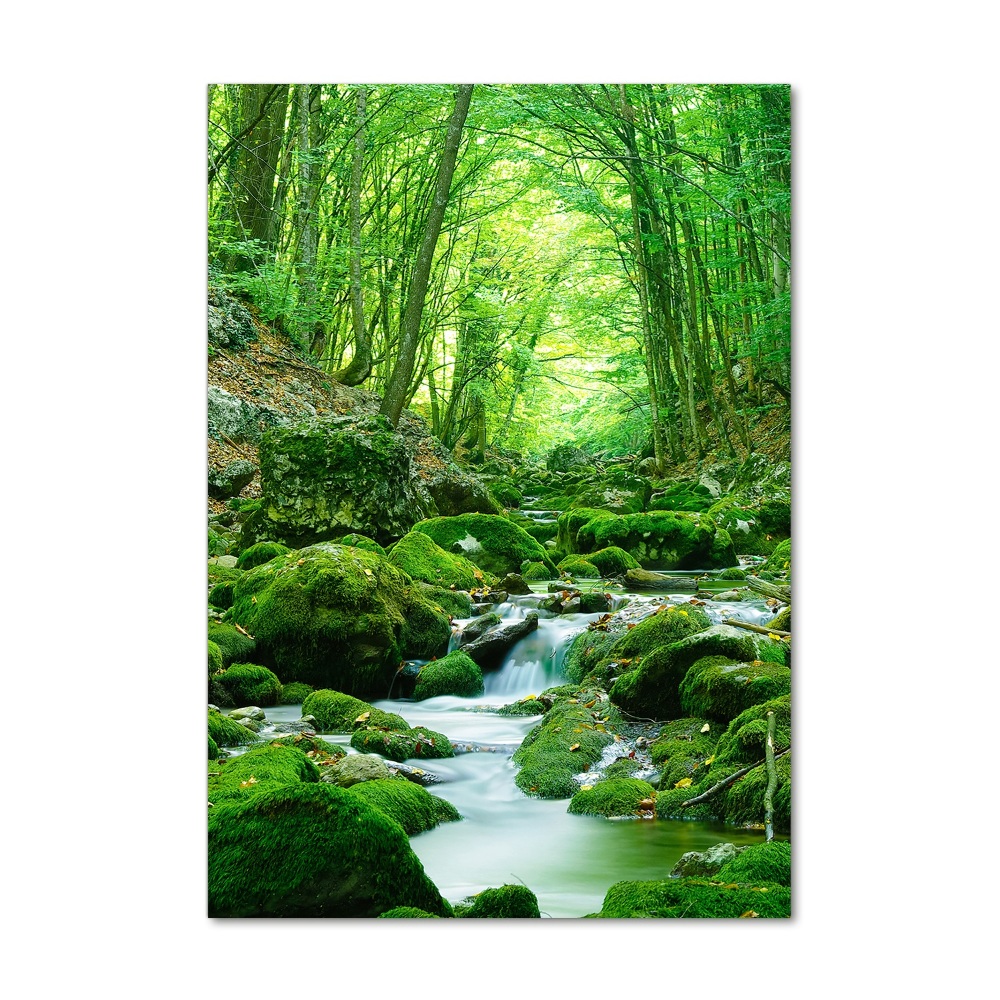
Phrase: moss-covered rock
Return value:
(407, 912)
(743, 741)
(213, 749)
(456, 603)
(312, 850)
(214, 657)
(261, 767)
(692, 897)
(682, 750)
(418, 555)
(328, 476)
(732, 573)
(569, 524)
(221, 595)
(717, 688)
(566, 742)
(495, 544)
(652, 689)
(336, 712)
(402, 744)
(505, 493)
(576, 566)
(361, 542)
(234, 645)
(250, 684)
(612, 561)
(744, 799)
(457, 674)
(613, 797)
(782, 620)
(780, 560)
(690, 495)
(536, 571)
(760, 863)
(228, 732)
(337, 617)
(661, 539)
(261, 553)
(512, 901)
(669, 624)
(411, 806)
(294, 693)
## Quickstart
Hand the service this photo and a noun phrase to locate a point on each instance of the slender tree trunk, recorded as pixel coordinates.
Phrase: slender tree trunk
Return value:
(397, 386)
(361, 363)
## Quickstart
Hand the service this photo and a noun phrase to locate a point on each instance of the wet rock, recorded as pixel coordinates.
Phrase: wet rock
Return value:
(567, 457)
(231, 480)
(728, 595)
(227, 562)
(249, 712)
(456, 492)
(644, 579)
(489, 650)
(705, 863)
(514, 583)
(355, 768)
(476, 628)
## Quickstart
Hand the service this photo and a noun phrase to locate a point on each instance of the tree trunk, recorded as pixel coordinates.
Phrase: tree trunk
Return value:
(398, 383)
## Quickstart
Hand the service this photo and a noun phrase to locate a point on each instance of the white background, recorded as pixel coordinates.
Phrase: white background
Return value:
(894, 210)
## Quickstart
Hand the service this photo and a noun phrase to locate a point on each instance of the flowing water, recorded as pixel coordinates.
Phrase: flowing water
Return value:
(568, 861)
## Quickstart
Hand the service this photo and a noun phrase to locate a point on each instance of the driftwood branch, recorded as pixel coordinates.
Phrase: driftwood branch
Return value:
(772, 780)
(715, 789)
(763, 629)
(233, 444)
(770, 589)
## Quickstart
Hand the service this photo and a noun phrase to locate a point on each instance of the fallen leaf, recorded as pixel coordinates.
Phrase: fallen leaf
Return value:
(705, 728)
(363, 717)
(750, 913)
(586, 788)
(575, 746)
(683, 783)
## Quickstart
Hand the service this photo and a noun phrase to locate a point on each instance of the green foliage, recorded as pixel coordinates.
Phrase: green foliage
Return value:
(760, 863)
(294, 693)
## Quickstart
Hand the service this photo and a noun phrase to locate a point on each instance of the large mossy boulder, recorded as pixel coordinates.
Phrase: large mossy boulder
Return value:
(456, 492)
(337, 617)
(694, 897)
(455, 674)
(402, 744)
(612, 561)
(226, 732)
(411, 806)
(249, 684)
(567, 458)
(329, 476)
(767, 862)
(312, 850)
(336, 712)
(418, 555)
(652, 688)
(495, 544)
(239, 778)
(613, 797)
(232, 644)
(717, 688)
(661, 539)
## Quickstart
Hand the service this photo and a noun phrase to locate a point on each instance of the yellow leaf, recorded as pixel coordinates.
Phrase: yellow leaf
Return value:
(618, 739)
(363, 717)
(749, 913)
(586, 788)
(683, 783)
(591, 703)
(575, 746)
(774, 635)
(528, 697)
(705, 728)
(368, 572)
(250, 781)
(600, 728)
(684, 613)
(709, 760)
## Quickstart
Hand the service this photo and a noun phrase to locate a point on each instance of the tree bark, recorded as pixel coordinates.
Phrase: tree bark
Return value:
(772, 780)
(398, 383)
(770, 589)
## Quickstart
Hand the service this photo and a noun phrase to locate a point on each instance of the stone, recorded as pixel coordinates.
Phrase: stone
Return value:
(228, 562)
(355, 768)
(514, 583)
(490, 649)
(249, 712)
(565, 458)
(231, 480)
(705, 863)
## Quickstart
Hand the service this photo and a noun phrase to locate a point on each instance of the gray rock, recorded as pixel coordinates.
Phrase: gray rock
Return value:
(355, 768)
(228, 561)
(705, 863)
(478, 626)
(566, 457)
(514, 583)
(488, 650)
(248, 712)
(229, 482)
(728, 595)
(456, 492)
(229, 323)
(252, 724)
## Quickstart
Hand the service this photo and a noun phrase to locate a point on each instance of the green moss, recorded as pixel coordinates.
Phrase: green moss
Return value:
(228, 732)
(261, 767)
(782, 620)
(588, 649)
(547, 762)
(294, 693)
(261, 553)
(653, 688)
(313, 850)
(418, 555)
(732, 573)
(542, 532)
(217, 545)
(683, 496)
(669, 625)
(612, 561)
(336, 712)
(571, 521)
(457, 674)
(494, 543)
(511, 901)
(221, 595)
(780, 560)
(669, 804)
(682, 749)
(577, 567)
(222, 574)
(744, 799)
(767, 862)
(456, 603)
(337, 617)
(402, 744)
(743, 741)
(505, 493)
(717, 688)
(213, 748)
(537, 571)
(407, 912)
(693, 897)
(662, 539)
(233, 644)
(526, 706)
(362, 542)
(308, 744)
(612, 797)
(250, 684)
(411, 806)
(214, 657)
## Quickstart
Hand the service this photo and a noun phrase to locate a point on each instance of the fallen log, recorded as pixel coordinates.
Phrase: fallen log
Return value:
(763, 629)
(728, 781)
(645, 579)
(777, 590)
(772, 780)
